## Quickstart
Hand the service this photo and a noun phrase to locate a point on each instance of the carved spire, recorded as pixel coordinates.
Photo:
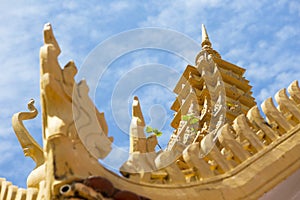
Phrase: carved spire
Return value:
(137, 135)
(206, 44)
(205, 39)
(137, 111)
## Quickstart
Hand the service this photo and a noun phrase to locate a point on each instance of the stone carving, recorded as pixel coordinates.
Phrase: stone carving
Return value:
(142, 150)
(294, 92)
(58, 119)
(222, 162)
(288, 107)
(137, 135)
(30, 147)
(209, 72)
(274, 116)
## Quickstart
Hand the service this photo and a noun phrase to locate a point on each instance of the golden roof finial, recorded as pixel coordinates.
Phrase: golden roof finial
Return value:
(205, 38)
(206, 44)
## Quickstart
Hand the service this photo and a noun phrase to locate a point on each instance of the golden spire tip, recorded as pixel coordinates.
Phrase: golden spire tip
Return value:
(205, 38)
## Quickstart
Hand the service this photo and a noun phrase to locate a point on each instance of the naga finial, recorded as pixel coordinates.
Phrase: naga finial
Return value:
(30, 147)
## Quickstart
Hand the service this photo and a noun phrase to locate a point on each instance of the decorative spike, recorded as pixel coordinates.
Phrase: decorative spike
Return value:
(284, 102)
(205, 39)
(256, 119)
(11, 192)
(31, 193)
(4, 189)
(227, 140)
(191, 157)
(21, 194)
(241, 126)
(216, 155)
(294, 91)
(275, 116)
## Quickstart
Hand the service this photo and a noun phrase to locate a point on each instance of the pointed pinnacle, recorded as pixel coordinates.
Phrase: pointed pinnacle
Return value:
(205, 39)
(137, 111)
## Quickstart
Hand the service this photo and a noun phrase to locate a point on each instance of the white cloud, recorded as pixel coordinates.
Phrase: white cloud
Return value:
(181, 15)
(294, 7)
(287, 32)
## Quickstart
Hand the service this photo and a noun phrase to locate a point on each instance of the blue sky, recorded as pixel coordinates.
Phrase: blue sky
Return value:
(261, 36)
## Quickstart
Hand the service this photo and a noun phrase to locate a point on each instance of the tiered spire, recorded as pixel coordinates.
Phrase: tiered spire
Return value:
(193, 92)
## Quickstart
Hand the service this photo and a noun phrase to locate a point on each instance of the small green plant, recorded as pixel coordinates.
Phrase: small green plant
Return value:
(149, 129)
(190, 118)
(158, 133)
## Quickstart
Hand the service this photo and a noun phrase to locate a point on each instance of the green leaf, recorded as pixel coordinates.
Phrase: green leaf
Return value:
(185, 118)
(149, 129)
(158, 133)
(194, 120)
